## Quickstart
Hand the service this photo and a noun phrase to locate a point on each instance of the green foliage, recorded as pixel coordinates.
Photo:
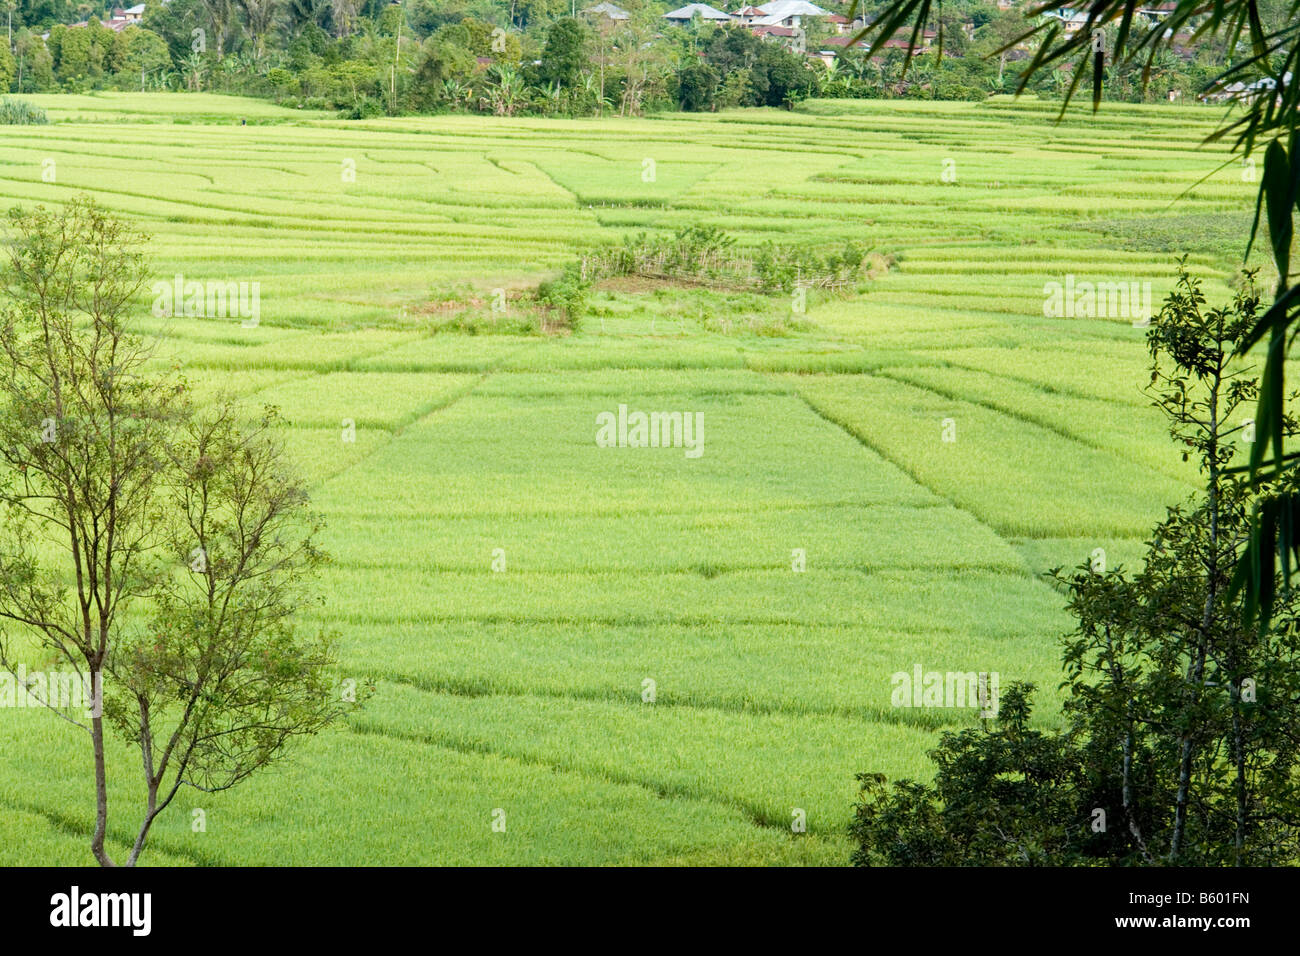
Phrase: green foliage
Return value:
(21, 113)
(1275, 545)
(782, 268)
(696, 85)
(429, 58)
(565, 297)
(1004, 795)
(365, 108)
(566, 55)
(8, 69)
(707, 253)
(147, 54)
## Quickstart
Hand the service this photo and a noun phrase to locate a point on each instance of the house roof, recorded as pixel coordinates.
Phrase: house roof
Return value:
(901, 43)
(609, 10)
(703, 10)
(119, 15)
(117, 26)
(779, 10)
(771, 31)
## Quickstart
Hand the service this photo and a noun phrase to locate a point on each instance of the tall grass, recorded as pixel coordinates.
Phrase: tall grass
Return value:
(21, 113)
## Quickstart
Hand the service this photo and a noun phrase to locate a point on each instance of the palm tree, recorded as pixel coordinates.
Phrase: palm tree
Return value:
(299, 13)
(344, 14)
(221, 13)
(891, 72)
(261, 17)
(246, 63)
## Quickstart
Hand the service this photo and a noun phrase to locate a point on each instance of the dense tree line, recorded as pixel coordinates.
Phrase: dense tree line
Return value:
(508, 57)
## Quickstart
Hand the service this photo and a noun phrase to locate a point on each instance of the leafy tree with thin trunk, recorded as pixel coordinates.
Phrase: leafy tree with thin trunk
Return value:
(160, 552)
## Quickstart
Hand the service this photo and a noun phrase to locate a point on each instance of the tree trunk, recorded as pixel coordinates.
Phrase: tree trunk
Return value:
(151, 813)
(1239, 759)
(101, 794)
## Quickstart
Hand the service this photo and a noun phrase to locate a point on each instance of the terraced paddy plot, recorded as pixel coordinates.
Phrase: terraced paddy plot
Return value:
(629, 654)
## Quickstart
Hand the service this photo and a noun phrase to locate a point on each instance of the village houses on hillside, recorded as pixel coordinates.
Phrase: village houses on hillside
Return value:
(784, 21)
(117, 21)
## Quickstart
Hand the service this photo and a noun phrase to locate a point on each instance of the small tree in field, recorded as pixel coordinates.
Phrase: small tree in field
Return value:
(159, 551)
(1181, 743)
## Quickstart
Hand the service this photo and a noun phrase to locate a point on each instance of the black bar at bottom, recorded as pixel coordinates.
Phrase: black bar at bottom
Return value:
(349, 906)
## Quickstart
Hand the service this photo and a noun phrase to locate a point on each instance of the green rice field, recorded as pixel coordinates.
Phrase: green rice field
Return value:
(518, 594)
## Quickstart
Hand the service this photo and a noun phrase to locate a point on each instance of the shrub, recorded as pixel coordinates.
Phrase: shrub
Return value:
(699, 252)
(366, 108)
(21, 113)
(566, 295)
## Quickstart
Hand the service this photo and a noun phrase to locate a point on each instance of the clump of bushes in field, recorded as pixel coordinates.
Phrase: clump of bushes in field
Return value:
(705, 254)
(562, 301)
(695, 255)
(364, 108)
(556, 305)
(695, 251)
(15, 112)
(783, 268)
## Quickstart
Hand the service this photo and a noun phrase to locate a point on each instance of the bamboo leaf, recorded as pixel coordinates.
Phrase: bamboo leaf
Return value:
(1279, 188)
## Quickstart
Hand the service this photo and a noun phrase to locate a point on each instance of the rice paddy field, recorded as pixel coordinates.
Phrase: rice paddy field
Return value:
(928, 446)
